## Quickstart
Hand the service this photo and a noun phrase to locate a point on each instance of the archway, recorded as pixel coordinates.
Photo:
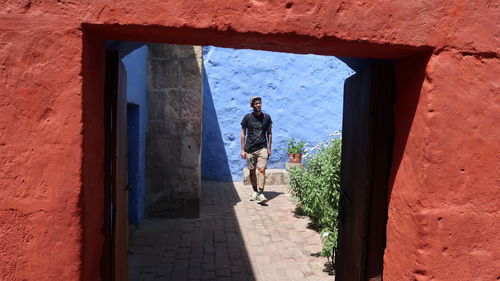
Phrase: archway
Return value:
(408, 82)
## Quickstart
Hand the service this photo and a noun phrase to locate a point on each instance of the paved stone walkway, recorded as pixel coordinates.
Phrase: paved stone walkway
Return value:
(234, 239)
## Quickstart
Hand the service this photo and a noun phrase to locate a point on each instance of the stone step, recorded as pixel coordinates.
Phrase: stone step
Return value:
(273, 176)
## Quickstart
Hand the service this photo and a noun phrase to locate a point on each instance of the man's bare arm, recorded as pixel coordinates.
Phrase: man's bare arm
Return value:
(242, 137)
(269, 140)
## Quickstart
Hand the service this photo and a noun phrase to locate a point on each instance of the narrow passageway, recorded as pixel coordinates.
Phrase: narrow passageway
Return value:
(234, 239)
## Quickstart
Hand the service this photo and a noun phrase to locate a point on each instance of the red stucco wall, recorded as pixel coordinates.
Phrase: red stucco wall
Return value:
(444, 211)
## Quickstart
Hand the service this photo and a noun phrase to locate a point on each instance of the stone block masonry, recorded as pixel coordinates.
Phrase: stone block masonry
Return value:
(173, 144)
(273, 177)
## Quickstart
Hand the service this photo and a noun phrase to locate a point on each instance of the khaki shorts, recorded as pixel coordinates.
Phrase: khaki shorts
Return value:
(258, 157)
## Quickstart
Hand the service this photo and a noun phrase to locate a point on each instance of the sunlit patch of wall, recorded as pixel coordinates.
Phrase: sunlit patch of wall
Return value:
(302, 93)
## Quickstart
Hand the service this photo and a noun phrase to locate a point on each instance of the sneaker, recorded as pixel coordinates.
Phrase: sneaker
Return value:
(261, 198)
(254, 196)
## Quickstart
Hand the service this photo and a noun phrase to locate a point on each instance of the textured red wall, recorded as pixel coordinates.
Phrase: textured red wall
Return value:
(444, 211)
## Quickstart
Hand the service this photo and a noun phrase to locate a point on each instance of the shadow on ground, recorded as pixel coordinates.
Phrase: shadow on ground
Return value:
(208, 248)
(270, 195)
(234, 239)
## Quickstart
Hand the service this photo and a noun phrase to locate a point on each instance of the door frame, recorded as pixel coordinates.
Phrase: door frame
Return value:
(115, 228)
(411, 61)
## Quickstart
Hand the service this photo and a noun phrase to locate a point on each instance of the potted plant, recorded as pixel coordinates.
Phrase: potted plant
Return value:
(295, 150)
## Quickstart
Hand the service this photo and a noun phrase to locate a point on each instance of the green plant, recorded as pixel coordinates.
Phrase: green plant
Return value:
(316, 189)
(295, 147)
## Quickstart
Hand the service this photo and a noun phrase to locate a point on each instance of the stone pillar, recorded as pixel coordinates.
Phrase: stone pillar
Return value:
(174, 131)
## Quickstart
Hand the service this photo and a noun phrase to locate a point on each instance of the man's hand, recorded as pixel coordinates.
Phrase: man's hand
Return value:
(243, 154)
(269, 152)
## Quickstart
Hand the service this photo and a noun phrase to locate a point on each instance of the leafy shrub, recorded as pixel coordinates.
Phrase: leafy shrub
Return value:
(316, 188)
(295, 147)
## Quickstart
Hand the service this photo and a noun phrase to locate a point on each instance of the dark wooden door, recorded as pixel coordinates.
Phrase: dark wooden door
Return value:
(366, 155)
(116, 194)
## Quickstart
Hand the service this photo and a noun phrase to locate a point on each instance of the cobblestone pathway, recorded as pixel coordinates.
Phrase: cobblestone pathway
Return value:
(234, 239)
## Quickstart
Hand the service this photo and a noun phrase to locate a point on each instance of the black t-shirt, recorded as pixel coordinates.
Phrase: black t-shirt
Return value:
(256, 126)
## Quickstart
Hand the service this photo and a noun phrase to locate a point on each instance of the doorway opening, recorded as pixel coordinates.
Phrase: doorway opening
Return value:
(93, 37)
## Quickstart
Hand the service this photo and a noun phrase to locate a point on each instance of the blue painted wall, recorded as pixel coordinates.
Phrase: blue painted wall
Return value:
(302, 93)
(134, 57)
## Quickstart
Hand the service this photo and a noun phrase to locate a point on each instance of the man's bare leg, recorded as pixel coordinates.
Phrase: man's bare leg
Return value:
(261, 179)
(253, 179)
(261, 184)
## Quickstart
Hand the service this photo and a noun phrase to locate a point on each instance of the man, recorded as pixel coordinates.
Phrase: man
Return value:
(256, 140)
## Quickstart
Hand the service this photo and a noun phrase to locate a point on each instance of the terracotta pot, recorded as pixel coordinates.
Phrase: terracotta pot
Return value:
(295, 157)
